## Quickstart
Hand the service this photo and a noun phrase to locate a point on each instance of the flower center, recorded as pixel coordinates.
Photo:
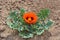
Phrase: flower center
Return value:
(29, 19)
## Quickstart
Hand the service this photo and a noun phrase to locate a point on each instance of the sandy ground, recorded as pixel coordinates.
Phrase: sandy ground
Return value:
(30, 5)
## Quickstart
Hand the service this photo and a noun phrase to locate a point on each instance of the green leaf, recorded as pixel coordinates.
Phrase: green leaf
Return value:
(43, 14)
(49, 23)
(13, 14)
(21, 20)
(39, 25)
(26, 35)
(22, 11)
(33, 28)
(13, 25)
(9, 24)
(39, 32)
(20, 28)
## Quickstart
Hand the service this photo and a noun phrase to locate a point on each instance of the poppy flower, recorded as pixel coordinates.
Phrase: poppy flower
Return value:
(30, 17)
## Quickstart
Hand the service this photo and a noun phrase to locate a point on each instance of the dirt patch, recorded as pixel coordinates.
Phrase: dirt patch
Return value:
(30, 5)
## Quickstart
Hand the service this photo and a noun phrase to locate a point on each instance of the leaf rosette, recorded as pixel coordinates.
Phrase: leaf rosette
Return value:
(29, 24)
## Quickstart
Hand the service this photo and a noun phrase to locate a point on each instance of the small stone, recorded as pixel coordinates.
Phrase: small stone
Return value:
(2, 28)
(9, 38)
(0, 7)
(6, 32)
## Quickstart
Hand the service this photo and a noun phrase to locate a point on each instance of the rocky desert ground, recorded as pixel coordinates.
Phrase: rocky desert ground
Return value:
(30, 5)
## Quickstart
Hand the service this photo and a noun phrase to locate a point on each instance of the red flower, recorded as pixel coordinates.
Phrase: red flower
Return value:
(30, 17)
